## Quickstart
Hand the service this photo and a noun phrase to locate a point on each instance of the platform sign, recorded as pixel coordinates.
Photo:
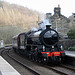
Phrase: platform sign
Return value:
(1, 42)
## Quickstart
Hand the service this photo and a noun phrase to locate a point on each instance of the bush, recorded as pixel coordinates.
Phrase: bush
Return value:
(71, 48)
(71, 34)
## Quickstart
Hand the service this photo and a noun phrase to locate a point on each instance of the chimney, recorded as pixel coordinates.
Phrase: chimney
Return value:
(58, 5)
(57, 10)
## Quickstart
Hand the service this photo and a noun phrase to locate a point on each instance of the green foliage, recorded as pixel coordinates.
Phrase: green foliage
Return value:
(71, 48)
(71, 34)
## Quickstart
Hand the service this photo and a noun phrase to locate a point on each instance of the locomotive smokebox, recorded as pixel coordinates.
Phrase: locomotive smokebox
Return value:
(49, 37)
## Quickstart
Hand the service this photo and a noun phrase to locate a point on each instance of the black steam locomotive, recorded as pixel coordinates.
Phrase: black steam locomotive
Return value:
(39, 45)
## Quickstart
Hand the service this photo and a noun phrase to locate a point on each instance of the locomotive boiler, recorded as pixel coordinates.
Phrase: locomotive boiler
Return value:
(40, 45)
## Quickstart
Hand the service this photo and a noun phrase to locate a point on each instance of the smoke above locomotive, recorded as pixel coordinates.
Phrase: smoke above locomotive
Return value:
(42, 25)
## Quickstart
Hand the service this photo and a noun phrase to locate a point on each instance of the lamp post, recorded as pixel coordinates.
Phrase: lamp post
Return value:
(56, 25)
(56, 20)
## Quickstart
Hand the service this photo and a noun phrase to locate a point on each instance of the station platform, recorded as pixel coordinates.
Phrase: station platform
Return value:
(6, 68)
(70, 53)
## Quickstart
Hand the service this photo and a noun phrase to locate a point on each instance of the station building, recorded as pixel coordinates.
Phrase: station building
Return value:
(59, 22)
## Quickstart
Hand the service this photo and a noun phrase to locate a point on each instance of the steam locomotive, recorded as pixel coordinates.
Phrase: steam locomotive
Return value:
(39, 45)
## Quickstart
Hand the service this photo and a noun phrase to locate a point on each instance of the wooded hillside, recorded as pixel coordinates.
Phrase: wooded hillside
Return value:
(11, 14)
(15, 19)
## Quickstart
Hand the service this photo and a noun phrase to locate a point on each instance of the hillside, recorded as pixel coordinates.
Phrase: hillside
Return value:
(11, 14)
(15, 19)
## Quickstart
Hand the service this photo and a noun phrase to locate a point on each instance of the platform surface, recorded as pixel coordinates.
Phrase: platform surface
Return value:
(70, 53)
(6, 68)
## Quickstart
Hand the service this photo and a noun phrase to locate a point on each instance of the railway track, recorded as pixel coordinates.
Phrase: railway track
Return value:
(30, 69)
(62, 69)
(50, 68)
(6, 49)
(59, 69)
(73, 69)
(55, 69)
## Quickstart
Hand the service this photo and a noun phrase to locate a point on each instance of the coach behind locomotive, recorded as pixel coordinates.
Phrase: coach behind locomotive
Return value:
(40, 45)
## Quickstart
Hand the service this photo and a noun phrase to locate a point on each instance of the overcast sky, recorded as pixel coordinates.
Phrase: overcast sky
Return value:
(47, 6)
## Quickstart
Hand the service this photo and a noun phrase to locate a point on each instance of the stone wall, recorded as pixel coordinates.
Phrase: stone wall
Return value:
(66, 43)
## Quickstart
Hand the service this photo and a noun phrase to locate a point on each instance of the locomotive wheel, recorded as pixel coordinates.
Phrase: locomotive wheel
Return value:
(33, 57)
(56, 60)
(40, 60)
(30, 56)
(37, 59)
